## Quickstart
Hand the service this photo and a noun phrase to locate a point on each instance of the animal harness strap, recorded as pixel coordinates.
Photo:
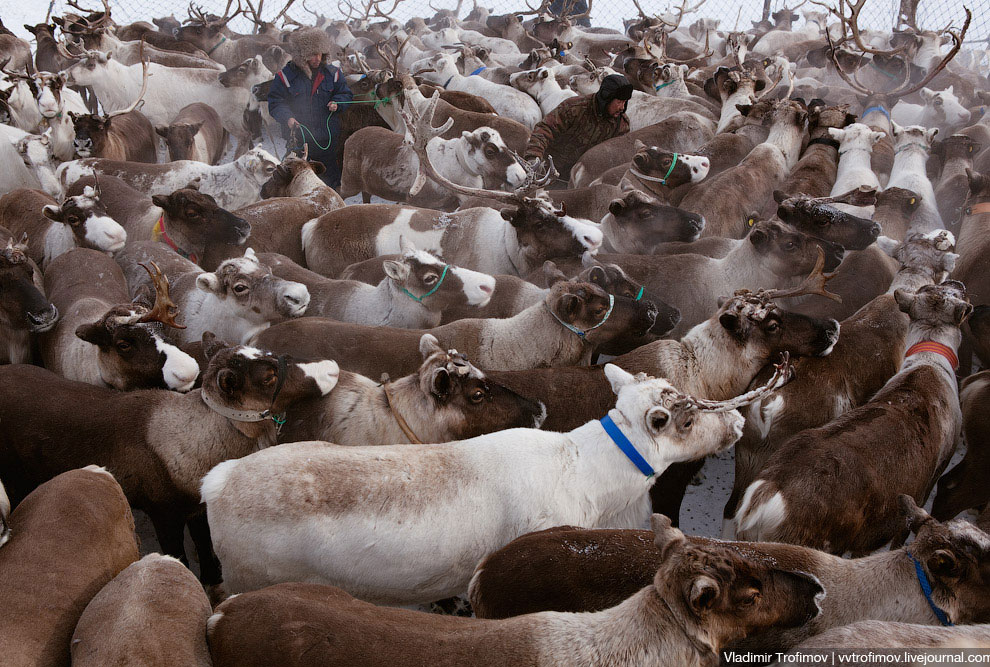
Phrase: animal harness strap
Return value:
(409, 433)
(926, 588)
(253, 415)
(935, 348)
(582, 334)
(629, 449)
(158, 234)
(879, 108)
(222, 40)
(476, 72)
(435, 287)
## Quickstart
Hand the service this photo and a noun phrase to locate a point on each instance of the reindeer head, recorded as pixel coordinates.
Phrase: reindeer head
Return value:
(722, 593)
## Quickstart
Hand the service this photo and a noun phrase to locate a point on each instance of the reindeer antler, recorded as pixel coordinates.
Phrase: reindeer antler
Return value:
(420, 128)
(144, 85)
(813, 284)
(164, 310)
(783, 373)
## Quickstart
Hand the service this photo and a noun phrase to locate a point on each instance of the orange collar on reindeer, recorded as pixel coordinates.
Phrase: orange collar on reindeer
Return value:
(158, 234)
(934, 348)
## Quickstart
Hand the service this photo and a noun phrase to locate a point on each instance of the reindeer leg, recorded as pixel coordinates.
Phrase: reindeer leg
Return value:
(170, 529)
(668, 492)
(209, 565)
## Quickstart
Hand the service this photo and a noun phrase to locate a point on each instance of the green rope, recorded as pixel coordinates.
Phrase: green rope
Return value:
(303, 129)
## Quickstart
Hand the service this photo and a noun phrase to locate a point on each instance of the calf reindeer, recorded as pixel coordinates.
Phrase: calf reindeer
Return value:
(54, 228)
(137, 436)
(196, 133)
(916, 414)
(379, 162)
(849, 376)
(965, 486)
(535, 491)
(571, 569)
(105, 340)
(447, 399)
(236, 302)
(562, 329)
(416, 290)
(117, 627)
(24, 309)
(702, 597)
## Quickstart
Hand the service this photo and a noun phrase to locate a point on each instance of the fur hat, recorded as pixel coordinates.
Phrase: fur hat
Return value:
(305, 42)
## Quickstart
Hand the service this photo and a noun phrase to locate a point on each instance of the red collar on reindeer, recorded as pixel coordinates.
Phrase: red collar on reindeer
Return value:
(934, 348)
(158, 234)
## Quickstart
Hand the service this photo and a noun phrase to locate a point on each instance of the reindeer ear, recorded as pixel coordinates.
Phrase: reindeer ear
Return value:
(93, 333)
(440, 386)
(161, 130)
(618, 377)
(429, 345)
(52, 212)
(161, 201)
(212, 344)
(397, 271)
(552, 274)
(665, 535)
(904, 299)
(703, 594)
(617, 206)
(209, 282)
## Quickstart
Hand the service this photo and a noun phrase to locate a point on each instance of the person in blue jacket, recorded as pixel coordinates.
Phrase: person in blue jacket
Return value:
(305, 98)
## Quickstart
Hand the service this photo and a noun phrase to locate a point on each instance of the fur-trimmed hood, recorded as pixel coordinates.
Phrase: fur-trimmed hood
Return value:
(305, 42)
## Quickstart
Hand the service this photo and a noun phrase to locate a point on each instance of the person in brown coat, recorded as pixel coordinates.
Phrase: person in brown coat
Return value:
(581, 122)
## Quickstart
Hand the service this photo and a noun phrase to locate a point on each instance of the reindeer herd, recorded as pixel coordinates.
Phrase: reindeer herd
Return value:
(475, 396)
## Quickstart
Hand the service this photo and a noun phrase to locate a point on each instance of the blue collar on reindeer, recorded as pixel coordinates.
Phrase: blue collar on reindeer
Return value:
(629, 449)
(879, 108)
(476, 72)
(926, 588)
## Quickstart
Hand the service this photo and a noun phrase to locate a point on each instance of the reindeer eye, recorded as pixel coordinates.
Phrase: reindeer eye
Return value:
(477, 396)
(689, 423)
(240, 288)
(430, 278)
(773, 327)
(72, 220)
(123, 345)
(270, 379)
(192, 213)
(790, 246)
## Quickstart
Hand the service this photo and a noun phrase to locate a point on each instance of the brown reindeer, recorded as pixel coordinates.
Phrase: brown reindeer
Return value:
(136, 434)
(847, 489)
(966, 486)
(195, 134)
(702, 597)
(869, 351)
(69, 538)
(562, 330)
(24, 309)
(569, 569)
(154, 610)
(749, 185)
(105, 339)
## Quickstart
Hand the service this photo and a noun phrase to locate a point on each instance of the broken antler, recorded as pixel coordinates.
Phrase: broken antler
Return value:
(783, 373)
(813, 284)
(164, 310)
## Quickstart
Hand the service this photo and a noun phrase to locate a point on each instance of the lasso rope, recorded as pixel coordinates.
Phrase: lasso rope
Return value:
(378, 101)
